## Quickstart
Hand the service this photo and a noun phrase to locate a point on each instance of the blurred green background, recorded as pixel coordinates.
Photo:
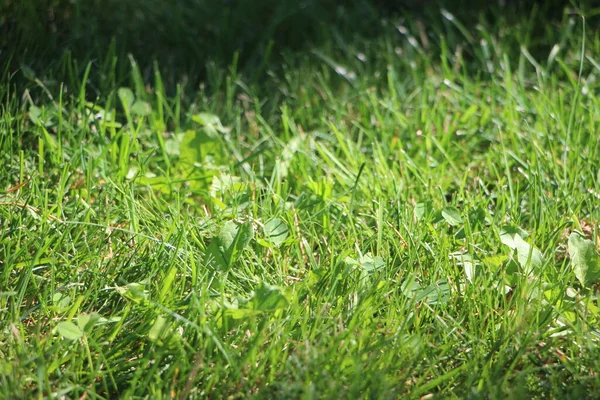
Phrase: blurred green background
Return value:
(185, 35)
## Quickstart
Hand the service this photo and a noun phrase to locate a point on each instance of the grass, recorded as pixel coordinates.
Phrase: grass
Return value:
(406, 212)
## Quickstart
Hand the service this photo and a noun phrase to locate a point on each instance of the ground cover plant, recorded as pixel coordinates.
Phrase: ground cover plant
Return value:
(389, 202)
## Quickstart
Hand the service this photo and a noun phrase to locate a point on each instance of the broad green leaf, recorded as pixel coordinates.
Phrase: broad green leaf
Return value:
(111, 320)
(40, 118)
(228, 234)
(198, 155)
(126, 96)
(190, 149)
(508, 234)
(223, 182)
(423, 210)
(229, 243)
(366, 263)
(159, 328)
(276, 231)
(28, 72)
(211, 124)
(268, 298)
(87, 321)
(61, 301)
(470, 270)
(436, 293)
(410, 287)
(133, 291)
(172, 146)
(158, 183)
(477, 216)
(466, 261)
(69, 330)
(584, 259)
(35, 114)
(288, 153)
(205, 119)
(245, 233)
(452, 216)
(214, 255)
(141, 108)
(529, 257)
(103, 115)
(370, 263)
(593, 309)
(495, 261)
(83, 320)
(241, 313)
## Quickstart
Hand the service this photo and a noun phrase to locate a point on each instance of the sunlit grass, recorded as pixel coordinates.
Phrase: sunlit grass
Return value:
(388, 216)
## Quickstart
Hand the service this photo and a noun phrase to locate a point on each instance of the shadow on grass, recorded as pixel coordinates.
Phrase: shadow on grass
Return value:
(184, 36)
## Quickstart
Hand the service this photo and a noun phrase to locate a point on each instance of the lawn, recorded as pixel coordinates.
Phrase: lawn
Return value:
(299, 200)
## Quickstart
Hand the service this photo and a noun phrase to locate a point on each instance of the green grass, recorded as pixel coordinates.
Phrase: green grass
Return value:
(385, 215)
